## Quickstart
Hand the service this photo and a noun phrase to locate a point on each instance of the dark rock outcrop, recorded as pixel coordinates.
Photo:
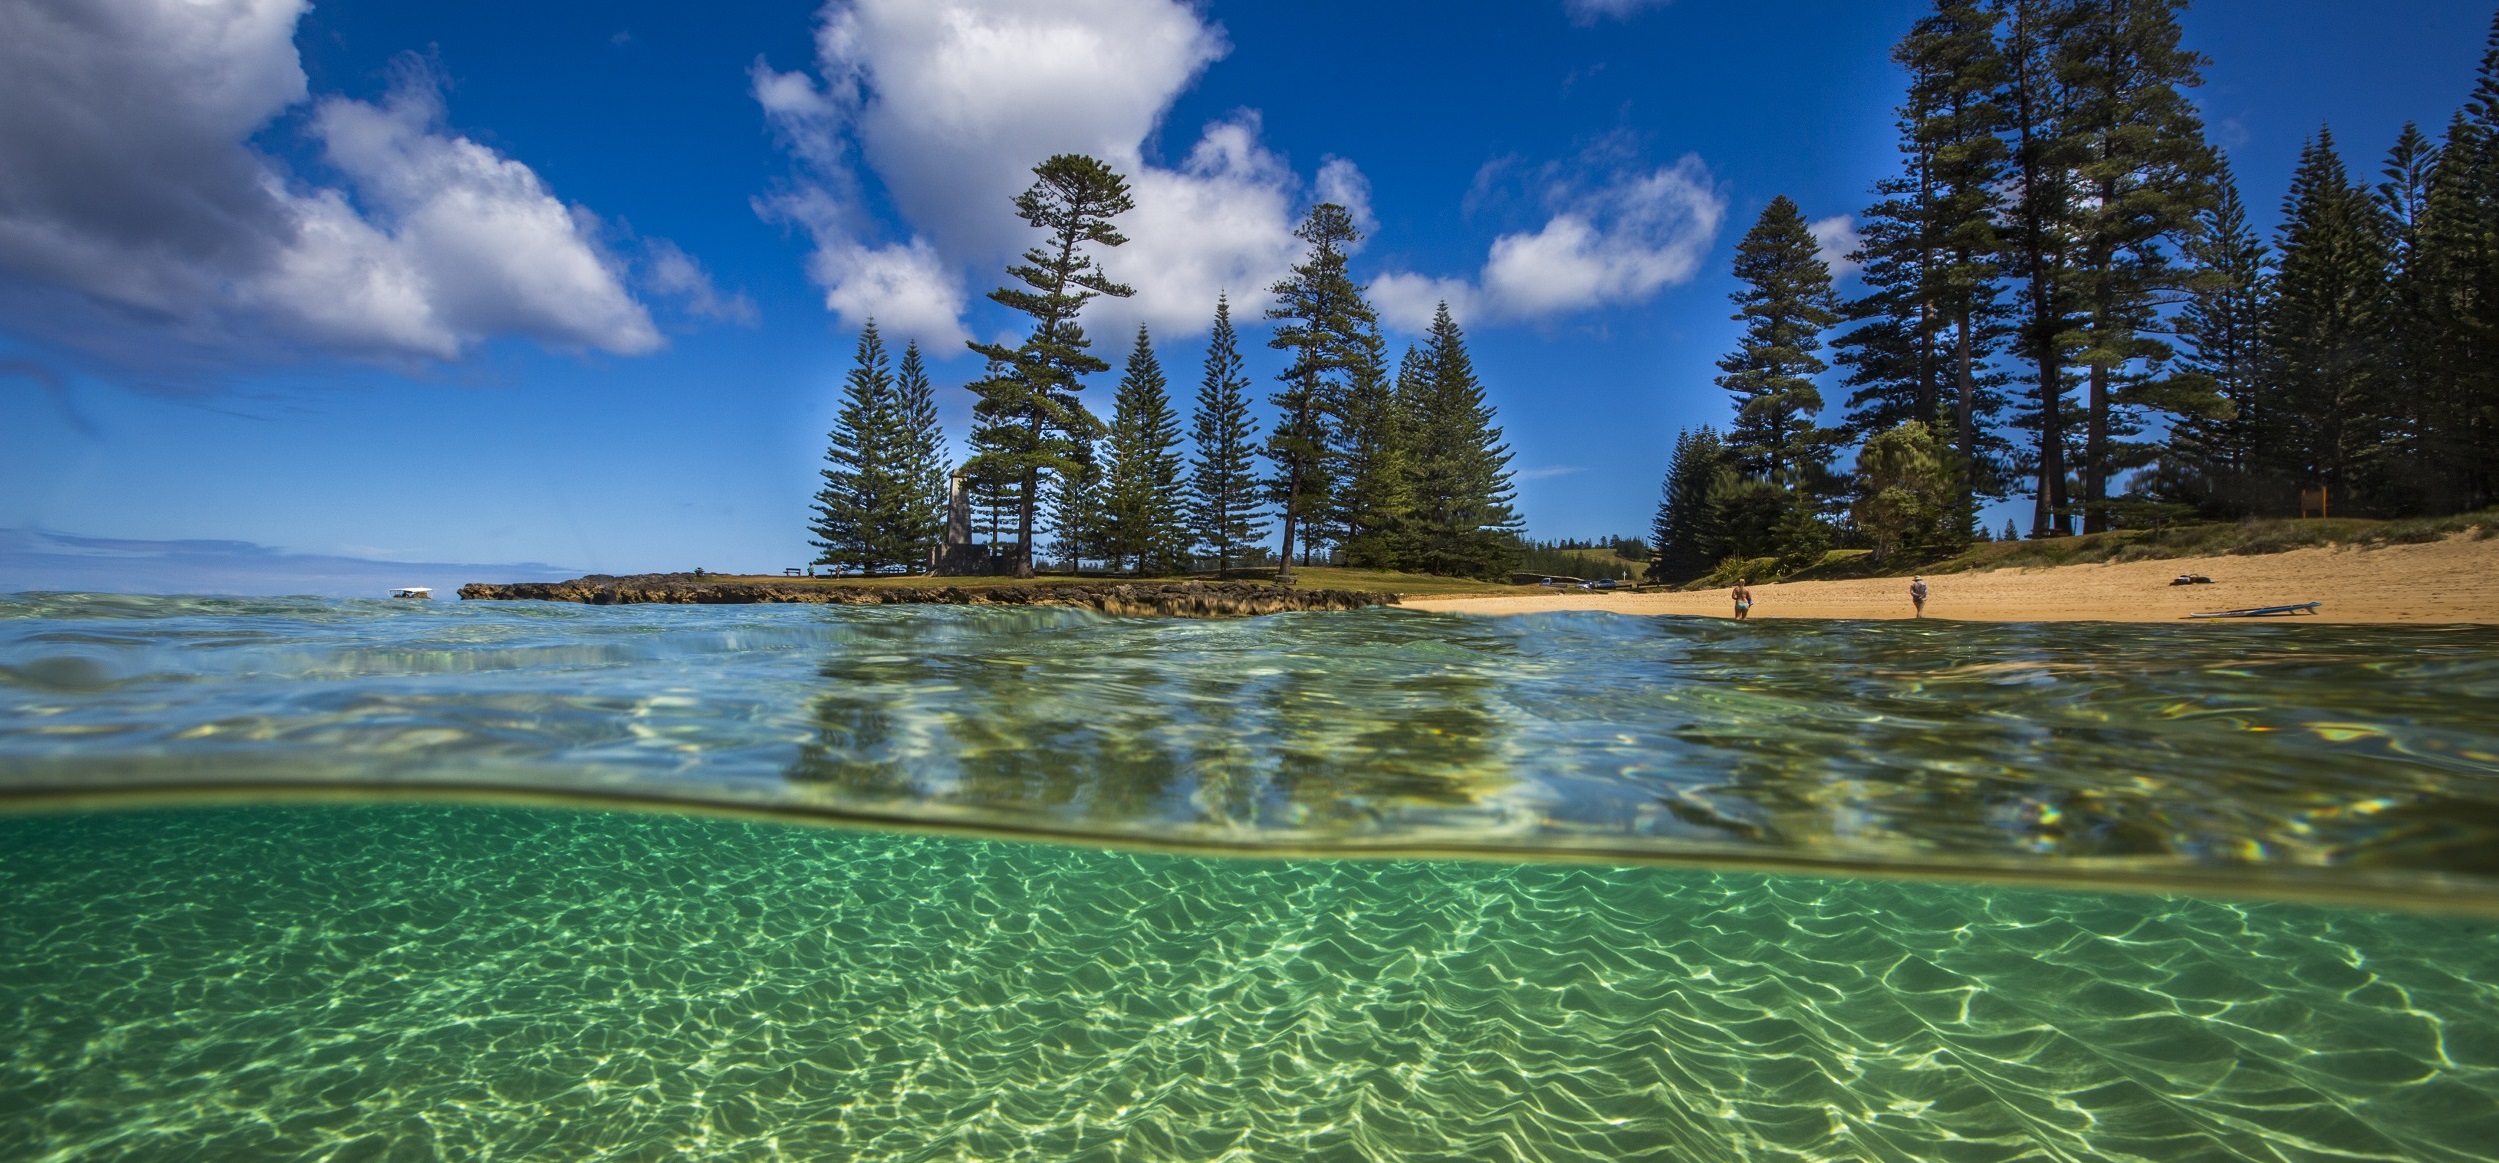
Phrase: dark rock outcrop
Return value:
(1165, 599)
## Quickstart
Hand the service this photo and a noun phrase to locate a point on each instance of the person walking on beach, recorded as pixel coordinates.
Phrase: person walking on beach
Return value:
(1917, 596)
(1743, 600)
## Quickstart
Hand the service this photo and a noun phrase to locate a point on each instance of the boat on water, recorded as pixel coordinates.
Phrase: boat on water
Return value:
(420, 593)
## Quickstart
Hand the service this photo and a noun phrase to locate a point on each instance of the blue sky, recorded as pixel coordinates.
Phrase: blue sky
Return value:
(576, 283)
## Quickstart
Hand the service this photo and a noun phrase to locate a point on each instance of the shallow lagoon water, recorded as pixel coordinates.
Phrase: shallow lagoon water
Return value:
(413, 981)
(2312, 759)
(418, 982)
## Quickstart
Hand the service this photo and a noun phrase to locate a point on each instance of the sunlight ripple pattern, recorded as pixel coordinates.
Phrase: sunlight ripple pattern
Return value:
(417, 982)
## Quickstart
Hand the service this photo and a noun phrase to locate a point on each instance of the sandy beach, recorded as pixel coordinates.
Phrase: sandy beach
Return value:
(2452, 581)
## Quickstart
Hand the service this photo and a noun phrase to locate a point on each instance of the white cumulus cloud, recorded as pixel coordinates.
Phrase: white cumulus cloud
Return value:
(1836, 238)
(1614, 241)
(948, 104)
(127, 181)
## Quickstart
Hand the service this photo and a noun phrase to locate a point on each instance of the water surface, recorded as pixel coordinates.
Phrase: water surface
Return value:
(2317, 760)
(426, 982)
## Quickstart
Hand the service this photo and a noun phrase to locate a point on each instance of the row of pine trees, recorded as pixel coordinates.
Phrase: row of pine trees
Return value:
(1361, 466)
(2061, 298)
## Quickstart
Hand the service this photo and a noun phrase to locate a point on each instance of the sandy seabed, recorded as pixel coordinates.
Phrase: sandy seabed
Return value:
(2446, 582)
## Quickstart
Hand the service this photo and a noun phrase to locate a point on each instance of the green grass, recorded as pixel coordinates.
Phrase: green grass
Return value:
(2218, 539)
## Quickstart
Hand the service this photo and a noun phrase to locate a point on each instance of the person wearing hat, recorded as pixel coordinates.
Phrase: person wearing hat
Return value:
(1917, 595)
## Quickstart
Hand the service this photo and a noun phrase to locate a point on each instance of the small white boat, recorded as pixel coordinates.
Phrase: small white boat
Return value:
(420, 593)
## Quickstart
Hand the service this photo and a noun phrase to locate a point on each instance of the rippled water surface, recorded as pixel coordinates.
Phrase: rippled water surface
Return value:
(2309, 759)
(416, 980)
(422, 982)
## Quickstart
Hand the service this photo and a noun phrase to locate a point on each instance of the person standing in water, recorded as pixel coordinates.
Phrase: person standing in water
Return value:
(1917, 596)
(1743, 600)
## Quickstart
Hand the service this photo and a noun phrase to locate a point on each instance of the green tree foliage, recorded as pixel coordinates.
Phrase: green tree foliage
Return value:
(1685, 534)
(1028, 419)
(920, 462)
(2458, 276)
(1077, 520)
(2323, 327)
(1748, 514)
(1143, 522)
(2143, 173)
(1223, 504)
(2411, 481)
(1375, 490)
(1933, 317)
(863, 511)
(1800, 536)
(1785, 305)
(1461, 523)
(1908, 492)
(2214, 455)
(2041, 224)
(1777, 439)
(1322, 320)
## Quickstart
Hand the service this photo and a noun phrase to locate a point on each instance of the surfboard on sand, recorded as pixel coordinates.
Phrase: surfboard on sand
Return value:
(2263, 611)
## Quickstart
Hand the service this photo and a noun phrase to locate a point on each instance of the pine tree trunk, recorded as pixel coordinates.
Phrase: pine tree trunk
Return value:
(2096, 452)
(1024, 520)
(1926, 403)
(1292, 495)
(1965, 413)
(2046, 518)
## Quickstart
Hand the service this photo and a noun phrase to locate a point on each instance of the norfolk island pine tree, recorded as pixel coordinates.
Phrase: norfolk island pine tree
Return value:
(862, 497)
(920, 461)
(1031, 421)
(1224, 509)
(1322, 317)
(1460, 520)
(1785, 304)
(1144, 522)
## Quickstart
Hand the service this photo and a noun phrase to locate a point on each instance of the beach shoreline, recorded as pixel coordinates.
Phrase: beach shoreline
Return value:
(2448, 582)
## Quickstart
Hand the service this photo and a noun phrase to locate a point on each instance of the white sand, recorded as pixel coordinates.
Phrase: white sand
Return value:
(2452, 581)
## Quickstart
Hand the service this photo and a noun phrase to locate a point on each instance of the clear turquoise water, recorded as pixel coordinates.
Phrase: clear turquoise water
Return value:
(414, 980)
(2310, 759)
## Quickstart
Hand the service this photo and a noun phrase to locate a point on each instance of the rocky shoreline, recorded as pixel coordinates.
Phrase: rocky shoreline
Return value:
(1162, 599)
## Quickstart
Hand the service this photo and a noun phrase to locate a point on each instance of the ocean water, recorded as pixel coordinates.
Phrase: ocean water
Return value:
(1363, 885)
(414, 982)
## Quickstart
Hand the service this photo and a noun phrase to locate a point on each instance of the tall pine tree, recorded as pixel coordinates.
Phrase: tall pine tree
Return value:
(1374, 473)
(1143, 523)
(1685, 533)
(2416, 464)
(1462, 523)
(1933, 317)
(1030, 419)
(2214, 458)
(2324, 330)
(864, 498)
(1223, 505)
(1321, 319)
(920, 461)
(2042, 160)
(2142, 174)
(2467, 281)
(1785, 304)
